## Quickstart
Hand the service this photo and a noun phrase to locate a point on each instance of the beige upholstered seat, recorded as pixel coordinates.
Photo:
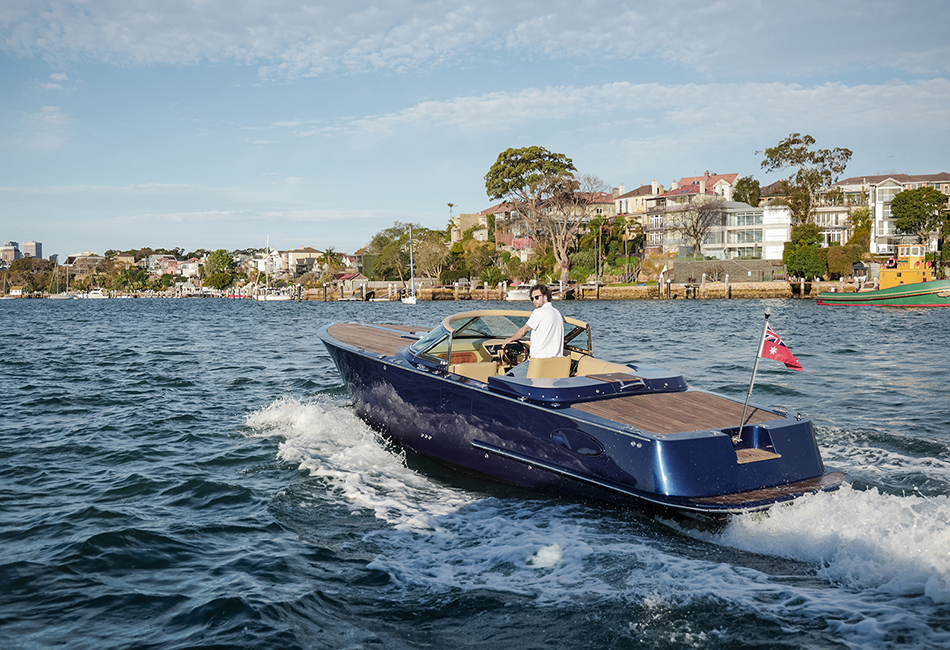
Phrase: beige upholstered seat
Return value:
(480, 371)
(587, 365)
(550, 368)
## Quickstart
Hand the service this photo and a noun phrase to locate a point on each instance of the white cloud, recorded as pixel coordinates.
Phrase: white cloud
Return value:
(289, 39)
(41, 132)
(728, 108)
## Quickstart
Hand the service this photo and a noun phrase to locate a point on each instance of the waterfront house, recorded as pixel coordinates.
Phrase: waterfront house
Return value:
(877, 192)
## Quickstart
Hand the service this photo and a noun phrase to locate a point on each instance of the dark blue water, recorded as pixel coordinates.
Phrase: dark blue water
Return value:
(188, 473)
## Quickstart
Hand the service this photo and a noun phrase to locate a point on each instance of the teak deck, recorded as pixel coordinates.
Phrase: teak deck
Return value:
(380, 339)
(674, 412)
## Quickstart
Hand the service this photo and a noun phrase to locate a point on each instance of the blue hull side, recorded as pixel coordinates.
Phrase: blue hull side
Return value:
(465, 425)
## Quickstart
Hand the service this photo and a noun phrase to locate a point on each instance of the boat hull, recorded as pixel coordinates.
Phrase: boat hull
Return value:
(921, 294)
(579, 449)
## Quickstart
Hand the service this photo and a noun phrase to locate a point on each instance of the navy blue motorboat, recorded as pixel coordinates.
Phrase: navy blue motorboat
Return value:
(578, 424)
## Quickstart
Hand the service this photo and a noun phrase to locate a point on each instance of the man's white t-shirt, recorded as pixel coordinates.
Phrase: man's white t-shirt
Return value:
(547, 332)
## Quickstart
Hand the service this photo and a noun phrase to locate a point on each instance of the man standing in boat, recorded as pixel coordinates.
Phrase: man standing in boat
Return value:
(547, 330)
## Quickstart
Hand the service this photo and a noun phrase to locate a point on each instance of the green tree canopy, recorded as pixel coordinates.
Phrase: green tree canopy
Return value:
(806, 262)
(918, 211)
(31, 273)
(747, 191)
(814, 169)
(218, 280)
(523, 176)
(220, 261)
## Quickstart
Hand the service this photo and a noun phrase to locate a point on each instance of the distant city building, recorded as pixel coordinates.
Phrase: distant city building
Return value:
(33, 249)
(54, 258)
(10, 252)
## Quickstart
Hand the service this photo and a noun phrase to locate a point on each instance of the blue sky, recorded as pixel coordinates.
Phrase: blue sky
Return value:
(215, 124)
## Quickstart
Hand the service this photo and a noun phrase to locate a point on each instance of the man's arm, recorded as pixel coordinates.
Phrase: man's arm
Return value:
(517, 335)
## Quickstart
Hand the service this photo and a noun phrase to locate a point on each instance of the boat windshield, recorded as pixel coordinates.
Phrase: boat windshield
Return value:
(494, 324)
(491, 326)
(437, 338)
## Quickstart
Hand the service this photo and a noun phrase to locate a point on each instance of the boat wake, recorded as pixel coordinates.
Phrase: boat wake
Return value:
(873, 566)
(326, 439)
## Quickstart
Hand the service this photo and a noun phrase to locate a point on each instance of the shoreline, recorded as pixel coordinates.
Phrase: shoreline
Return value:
(779, 289)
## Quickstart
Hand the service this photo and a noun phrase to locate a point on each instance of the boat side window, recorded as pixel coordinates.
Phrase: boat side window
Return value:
(431, 345)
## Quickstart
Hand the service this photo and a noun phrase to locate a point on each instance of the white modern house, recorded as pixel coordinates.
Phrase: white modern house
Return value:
(750, 232)
(879, 192)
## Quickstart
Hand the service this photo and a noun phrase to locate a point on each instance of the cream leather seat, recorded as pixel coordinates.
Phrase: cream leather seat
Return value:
(587, 365)
(480, 371)
(550, 368)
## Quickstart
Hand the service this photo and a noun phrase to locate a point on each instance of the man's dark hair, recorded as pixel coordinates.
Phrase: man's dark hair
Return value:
(544, 289)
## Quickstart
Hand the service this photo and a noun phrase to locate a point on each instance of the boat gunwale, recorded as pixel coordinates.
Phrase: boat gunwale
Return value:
(599, 411)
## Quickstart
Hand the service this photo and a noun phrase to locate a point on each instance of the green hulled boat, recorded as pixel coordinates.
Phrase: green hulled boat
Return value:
(920, 294)
(905, 281)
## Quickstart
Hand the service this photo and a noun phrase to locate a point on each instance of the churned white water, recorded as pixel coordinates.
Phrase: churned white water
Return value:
(873, 566)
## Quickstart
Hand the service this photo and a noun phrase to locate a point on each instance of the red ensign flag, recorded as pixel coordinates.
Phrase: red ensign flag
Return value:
(774, 348)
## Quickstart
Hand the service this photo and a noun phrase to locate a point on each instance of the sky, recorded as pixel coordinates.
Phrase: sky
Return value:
(228, 123)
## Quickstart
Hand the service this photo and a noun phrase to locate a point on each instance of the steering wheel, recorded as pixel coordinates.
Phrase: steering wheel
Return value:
(512, 354)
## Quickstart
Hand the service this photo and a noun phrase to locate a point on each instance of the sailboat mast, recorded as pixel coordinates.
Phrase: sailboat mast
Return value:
(412, 269)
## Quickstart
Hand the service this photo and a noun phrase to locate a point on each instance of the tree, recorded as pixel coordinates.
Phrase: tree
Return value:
(696, 220)
(571, 206)
(526, 176)
(32, 273)
(430, 253)
(861, 227)
(747, 191)
(329, 259)
(815, 169)
(918, 211)
(220, 261)
(802, 255)
(532, 178)
(218, 280)
(806, 262)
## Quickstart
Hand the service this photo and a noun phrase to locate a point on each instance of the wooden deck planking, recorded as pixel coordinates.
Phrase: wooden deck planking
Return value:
(374, 339)
(664, 413)
(830, 481)
(744, 456)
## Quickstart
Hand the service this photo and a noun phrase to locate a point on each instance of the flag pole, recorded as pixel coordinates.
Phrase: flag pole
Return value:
(736, 439)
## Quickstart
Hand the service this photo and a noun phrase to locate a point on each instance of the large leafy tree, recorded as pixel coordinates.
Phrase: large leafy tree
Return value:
(802, 255)
(430, 252)
(531, 178)
(747, 191)
(527, 176)
(919, 211)
(814, 169)
(32, 273)
(220, 261)
(562, 216)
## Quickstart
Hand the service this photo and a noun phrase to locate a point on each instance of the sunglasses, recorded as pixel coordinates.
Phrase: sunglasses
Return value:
(537, 297)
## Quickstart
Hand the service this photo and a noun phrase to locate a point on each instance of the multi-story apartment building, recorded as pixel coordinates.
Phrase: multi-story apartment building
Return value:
(748, 231)
(661, 237)
(33, 249)
(10, 252)
(877, 192)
